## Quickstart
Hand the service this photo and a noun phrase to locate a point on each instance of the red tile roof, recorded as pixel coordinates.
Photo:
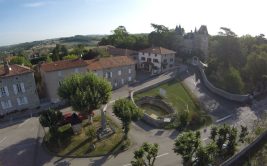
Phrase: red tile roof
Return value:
(61, 65)
(110, 62)
(158, 50)
(14, 70)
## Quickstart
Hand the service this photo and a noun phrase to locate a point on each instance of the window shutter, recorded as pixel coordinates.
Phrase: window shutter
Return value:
(3, 105)
(6, 90)
(9, 104)
(25, 100)
(15, 89)
(22, 87)
(18, 100)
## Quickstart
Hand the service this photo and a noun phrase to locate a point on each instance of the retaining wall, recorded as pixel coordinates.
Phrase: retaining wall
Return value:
(220, 92)
(248, 151)
(159, 123)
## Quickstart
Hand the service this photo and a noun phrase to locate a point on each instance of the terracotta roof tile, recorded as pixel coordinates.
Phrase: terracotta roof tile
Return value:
(110, 62)
(14, 70)
(61, 65)
(158, 50)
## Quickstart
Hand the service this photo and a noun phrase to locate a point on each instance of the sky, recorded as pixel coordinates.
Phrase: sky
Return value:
(29, 20)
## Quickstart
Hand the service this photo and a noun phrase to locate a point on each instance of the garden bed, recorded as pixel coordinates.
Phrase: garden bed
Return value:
(78, 145)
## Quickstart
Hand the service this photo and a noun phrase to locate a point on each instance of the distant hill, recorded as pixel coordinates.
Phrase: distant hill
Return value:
(88, 40)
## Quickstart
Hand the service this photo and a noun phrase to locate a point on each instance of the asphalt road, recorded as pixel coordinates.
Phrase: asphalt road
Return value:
(19, 139)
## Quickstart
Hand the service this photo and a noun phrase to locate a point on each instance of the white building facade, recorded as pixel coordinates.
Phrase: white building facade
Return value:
(156, 60)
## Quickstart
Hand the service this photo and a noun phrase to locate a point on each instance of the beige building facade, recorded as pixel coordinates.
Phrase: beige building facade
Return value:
(17, 89)
(53, 73)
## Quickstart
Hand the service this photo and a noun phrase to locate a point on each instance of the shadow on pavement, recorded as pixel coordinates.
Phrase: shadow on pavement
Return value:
(22, 153)
(174, 134)
(144, 126)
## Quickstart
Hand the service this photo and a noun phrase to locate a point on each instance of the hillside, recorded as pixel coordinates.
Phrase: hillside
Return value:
(46, 45)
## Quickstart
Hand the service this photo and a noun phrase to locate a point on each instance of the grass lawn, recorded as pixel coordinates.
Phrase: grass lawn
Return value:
(179, 98)
(78, 145)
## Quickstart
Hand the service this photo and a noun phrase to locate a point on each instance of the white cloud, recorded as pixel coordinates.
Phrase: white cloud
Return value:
(35, 4)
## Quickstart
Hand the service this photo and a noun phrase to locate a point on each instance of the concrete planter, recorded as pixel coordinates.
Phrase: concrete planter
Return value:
(77, 128)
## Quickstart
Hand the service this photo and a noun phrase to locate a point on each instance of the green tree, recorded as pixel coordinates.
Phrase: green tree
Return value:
(243, 134)
(20, 60)
(233, 81)
(85, 92)
(145, 155)
(71, 56)
(126, 111)
(213, 132)
(59, 52)
(91, 134)
(186, 144)
(184, 119)
(232, 141)
(51, 119)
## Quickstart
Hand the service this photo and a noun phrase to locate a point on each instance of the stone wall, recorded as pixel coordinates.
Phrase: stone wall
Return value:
(248, 151)
(220, 92)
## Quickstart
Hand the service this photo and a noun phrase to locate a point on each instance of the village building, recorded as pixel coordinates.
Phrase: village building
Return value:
(53, 73)
(17, 89)
(118, 70)
(156, 60)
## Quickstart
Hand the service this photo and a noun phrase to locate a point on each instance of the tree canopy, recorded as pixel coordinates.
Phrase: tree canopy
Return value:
(126, 111)
(85, 92)
(145, 155)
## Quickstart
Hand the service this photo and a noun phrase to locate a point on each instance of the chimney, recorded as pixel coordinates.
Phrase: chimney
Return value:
(6, 67)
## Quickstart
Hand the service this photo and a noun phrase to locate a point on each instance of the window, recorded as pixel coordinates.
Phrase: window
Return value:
(170, 66)
(3, 91)
(115, 83)
(143, 58)
(108, 75)
(156, 60)
(119, 72)
(129, 79)
(19, 88)
(6, 104)
(129, 71)
(165, 60)
(171, 59)
(148, 59)
(22, 100)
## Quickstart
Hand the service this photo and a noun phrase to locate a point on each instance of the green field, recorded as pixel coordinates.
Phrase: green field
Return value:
(179, 98)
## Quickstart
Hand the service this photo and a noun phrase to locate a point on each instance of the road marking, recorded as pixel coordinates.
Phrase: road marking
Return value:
(222, 119)
(3, 140)
(162, 155)
(127, 164)
(24, 122)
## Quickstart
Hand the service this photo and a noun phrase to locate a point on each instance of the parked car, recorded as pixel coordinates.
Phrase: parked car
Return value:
(67, 118)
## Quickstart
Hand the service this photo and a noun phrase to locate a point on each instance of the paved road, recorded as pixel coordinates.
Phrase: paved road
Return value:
(18, 141)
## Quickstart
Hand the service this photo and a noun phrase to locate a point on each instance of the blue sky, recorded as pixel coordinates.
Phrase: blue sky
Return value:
(28, 20)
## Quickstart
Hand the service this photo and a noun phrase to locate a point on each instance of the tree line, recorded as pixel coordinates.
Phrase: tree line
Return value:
(237, 64)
